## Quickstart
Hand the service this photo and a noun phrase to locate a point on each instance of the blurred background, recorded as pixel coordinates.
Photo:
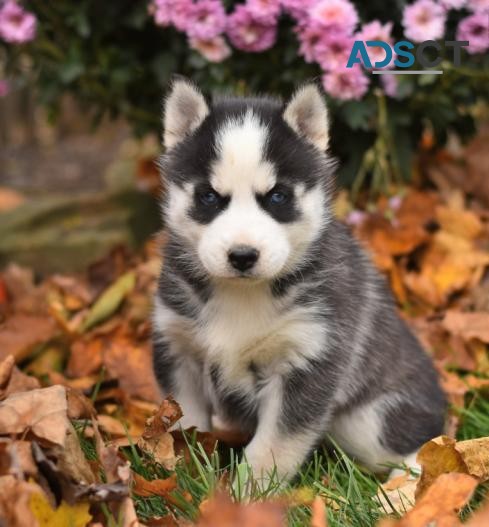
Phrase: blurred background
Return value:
(81, 87)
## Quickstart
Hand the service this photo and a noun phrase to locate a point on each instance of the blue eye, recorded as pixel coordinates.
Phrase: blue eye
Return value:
(209, 198)
(277, 198)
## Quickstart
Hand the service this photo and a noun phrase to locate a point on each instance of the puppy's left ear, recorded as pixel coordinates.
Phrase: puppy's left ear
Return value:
(306, 113)
(185, 109)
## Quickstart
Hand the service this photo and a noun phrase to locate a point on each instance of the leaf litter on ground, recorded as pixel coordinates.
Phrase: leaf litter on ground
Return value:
(85, 440)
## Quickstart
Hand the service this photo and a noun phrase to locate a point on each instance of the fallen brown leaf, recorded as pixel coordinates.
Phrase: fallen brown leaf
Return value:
(12, 380)
(43, 412)
(16, 458)
(443, 454)
(130, 362)
(21, 333)
(79, 406)
(468, 325)
(115, 468)
(156, 487)
(14, 502)
(220, 511)
(481, 517)
(168, 413)
(319, 517)
(440, 504)
(398, 493)
(161, 449)
(85, 357)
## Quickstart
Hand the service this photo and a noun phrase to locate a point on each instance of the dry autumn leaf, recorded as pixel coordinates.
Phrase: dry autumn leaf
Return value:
(166, 416)
(12, 380)
(398, 494)
(220, 511)
(130, 361)
(443, 454)
(161, 449)
(440, 505)
(15, 498)
(16, 341)
(43, 412)
(156, 487)
(318, 517)
(480, 518)
(468, 325)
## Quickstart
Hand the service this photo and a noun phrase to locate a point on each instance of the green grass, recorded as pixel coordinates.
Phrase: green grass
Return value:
(349, 490)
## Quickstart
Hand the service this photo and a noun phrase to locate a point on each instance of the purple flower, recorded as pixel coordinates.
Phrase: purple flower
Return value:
(335, 13)
(266, 11)
(475, 29)
(4, 88)
(214, 50)
(16, 24)
(247, 33)
(424, 20)
(478, 6)
(346, 84)
(453, 4)
(206, 20)
(333, 50)
(376, 31)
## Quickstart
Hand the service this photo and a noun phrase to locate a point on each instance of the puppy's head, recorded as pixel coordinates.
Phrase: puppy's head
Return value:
(246, 179)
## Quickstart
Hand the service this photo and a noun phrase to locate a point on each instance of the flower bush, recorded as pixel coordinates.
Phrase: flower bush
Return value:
(117, 57)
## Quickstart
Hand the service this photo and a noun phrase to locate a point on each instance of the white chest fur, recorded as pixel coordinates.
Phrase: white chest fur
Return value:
(240, 325)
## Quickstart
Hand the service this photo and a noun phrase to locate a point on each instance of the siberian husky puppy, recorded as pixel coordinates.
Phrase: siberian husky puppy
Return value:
(269, 317)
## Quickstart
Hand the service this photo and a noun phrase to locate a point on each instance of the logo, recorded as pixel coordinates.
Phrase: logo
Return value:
(403, 50)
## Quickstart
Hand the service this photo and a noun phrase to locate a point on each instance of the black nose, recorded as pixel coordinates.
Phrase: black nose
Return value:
(243, 257)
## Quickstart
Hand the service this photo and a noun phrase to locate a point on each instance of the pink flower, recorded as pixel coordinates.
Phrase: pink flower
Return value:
(16, 24)
(452, 4)
(395, 202)
(206, 20)
(247, 33)
(172, 12)
(475, 29)
(309, 35)
(376, 31)
(266, 11)
(161, 11)
(4, 88)
(180, 12)
(478, 6)
(346, 84)
(297, 8)
(214, 50)
(333, 50)
(335, 13)
(424, 20)
(356, 217)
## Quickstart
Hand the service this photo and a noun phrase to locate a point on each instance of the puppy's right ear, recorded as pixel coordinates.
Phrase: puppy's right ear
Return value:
(184, 110)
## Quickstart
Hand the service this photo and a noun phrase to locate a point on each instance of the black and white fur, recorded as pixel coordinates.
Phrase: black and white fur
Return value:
(304, 340)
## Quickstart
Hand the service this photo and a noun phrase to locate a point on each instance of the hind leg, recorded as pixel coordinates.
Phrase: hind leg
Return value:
(385, 431)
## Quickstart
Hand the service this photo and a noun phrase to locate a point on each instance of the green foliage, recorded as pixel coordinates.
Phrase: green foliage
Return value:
(114, 59)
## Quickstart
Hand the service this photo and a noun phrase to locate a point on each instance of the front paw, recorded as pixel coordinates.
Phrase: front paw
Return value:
(253, 480)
